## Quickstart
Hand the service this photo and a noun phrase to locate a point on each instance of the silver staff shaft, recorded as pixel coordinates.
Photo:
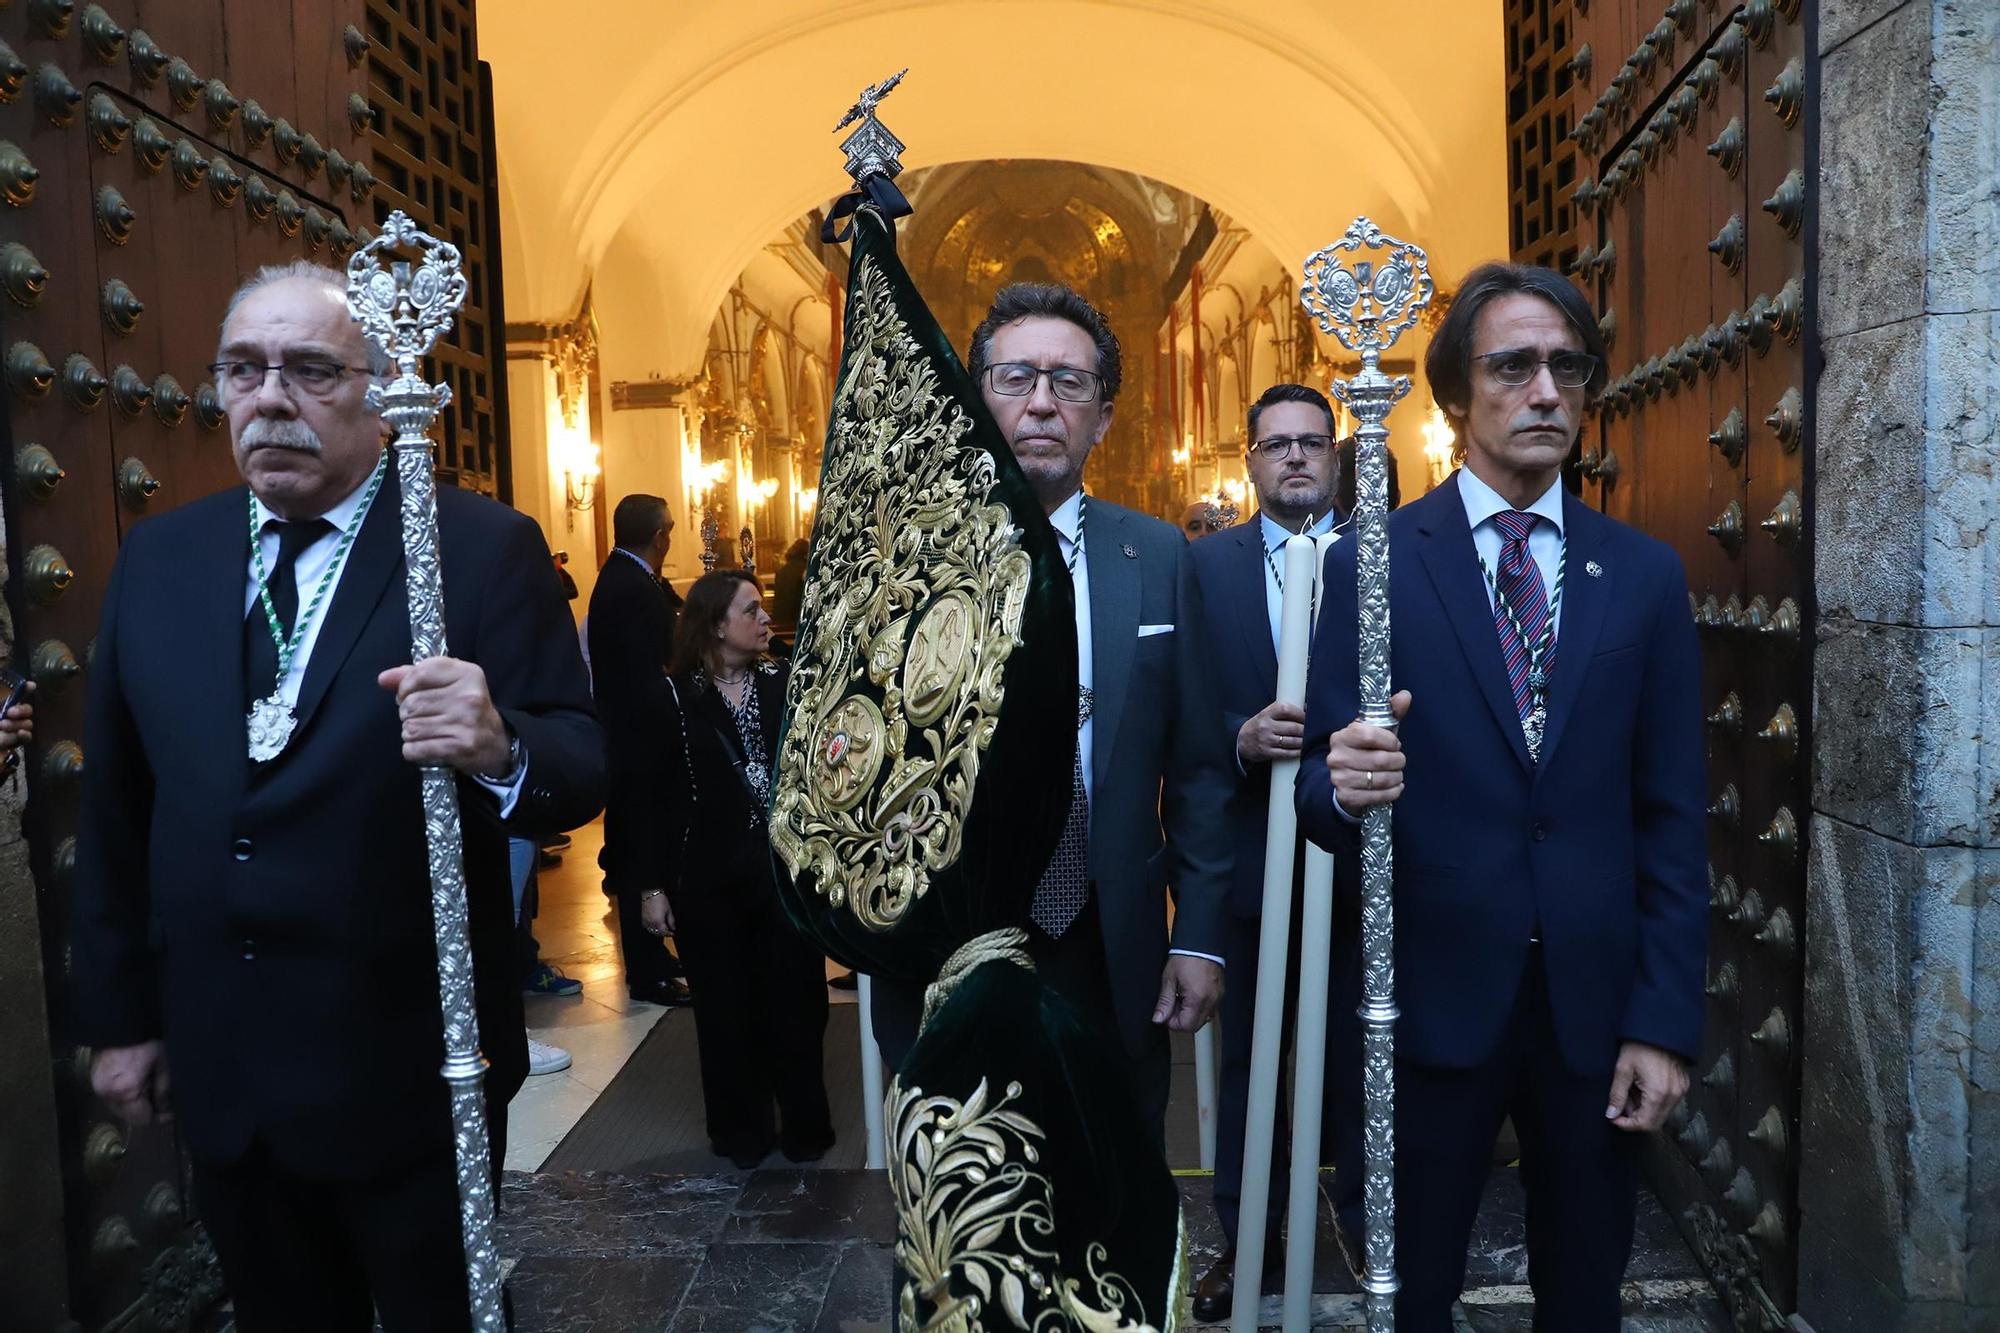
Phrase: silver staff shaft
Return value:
(1378, 910)
(1367, 304)
(403, 309)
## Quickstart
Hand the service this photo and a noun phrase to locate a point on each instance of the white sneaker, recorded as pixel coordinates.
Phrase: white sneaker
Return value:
(546, 1059)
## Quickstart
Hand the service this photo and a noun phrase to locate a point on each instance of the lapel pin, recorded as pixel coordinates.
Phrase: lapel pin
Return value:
(1130, 552)
(1592, 568)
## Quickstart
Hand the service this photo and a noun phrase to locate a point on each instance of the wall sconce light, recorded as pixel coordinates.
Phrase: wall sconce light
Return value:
(581, 470)
(1438, 442)
(808, 502)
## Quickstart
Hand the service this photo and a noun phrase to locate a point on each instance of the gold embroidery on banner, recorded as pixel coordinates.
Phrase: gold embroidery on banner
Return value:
(972, 1213)
(918, 589)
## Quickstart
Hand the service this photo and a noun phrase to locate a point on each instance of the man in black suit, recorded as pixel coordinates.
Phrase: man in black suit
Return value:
(1551, 900)
(252, 937)
(1291, 462)
(631, 633)
(1152, 768)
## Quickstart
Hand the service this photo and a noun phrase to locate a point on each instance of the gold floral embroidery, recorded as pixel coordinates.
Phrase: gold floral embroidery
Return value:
(976, 1227)
(916, 600)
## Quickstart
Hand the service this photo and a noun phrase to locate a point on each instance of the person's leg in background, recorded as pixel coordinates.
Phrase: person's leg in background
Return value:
(537, 977)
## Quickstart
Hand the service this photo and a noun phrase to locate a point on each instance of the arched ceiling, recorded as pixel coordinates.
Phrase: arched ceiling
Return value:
(694, 133)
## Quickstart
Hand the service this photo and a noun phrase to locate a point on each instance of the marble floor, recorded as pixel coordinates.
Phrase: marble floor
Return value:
(809, 1252)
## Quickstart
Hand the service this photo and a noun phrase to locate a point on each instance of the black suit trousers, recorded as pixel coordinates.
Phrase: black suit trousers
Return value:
(760, 1012)
(306, 1255)
(1580, 1174)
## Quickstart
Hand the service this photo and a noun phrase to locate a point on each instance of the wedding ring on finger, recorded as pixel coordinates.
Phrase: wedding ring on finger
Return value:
(1371, 780)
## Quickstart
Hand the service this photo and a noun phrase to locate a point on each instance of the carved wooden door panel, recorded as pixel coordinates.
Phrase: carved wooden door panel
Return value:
(1682, 128)
(155, 152)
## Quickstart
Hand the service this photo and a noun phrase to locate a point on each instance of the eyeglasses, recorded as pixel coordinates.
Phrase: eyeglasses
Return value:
(1016, 379)
(1280, 446)
(311, 375)
(1516, 366)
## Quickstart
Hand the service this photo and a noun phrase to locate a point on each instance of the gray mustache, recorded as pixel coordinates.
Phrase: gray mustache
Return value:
(280, 433)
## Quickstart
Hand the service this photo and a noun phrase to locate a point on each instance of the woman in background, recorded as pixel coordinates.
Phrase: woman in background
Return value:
(759, 987)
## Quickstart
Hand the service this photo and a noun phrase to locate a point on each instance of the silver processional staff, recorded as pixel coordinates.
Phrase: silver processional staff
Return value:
(403, 308)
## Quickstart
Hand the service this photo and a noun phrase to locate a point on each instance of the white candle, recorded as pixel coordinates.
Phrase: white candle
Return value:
(1280, 841)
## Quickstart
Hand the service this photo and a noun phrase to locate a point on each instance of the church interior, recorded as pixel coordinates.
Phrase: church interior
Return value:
(1794, 273)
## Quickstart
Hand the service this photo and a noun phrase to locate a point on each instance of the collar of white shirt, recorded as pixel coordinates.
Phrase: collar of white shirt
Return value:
(1275, 536)
(1483, 502)
(341, 516)
(1068, 519)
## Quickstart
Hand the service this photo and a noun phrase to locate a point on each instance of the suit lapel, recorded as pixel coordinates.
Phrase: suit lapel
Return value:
(1584, 599)
(1452, 562)
(1252, 606)
(220, 578)
(375, 556)
(1114, 630)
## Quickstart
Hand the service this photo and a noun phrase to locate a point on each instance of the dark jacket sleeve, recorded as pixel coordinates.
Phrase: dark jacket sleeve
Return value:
(526, 644)
(117, 1002)
(1199, 779)
(1670, 846)
(1333, 699)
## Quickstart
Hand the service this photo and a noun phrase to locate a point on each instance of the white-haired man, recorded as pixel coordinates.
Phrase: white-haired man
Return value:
(252, 934)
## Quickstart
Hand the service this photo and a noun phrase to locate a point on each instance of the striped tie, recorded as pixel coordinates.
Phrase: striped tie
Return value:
(1520, 585)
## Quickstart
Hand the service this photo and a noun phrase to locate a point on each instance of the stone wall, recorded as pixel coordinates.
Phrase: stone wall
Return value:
(1900, 1167)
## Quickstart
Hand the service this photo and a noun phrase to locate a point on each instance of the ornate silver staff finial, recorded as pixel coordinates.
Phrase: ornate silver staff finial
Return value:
(1373, 303)
(871, 150)
(1367, 307)
(403, 308)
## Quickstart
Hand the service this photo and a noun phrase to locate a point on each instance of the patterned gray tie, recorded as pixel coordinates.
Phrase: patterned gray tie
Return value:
(1065, 885)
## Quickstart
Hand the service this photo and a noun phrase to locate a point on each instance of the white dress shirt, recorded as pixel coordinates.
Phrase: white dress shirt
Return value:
(1545, 543)
(1072, 541)
(308, 570)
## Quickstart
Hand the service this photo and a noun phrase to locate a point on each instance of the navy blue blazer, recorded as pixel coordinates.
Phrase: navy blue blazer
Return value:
(1600, 849)
(1236, 627)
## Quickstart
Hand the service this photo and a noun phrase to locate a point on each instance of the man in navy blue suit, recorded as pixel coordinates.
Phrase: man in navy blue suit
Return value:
(1547, 777)
(1291, 461)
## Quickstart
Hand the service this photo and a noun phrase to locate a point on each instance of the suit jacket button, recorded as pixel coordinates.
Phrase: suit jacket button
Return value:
(1539, 831)
(242, 849)
(249, 950)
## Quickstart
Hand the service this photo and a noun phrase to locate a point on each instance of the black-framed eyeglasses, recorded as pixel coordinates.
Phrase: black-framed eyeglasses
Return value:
(1280, 446)
(1515, 366)
(1016, 379)
(313, 375)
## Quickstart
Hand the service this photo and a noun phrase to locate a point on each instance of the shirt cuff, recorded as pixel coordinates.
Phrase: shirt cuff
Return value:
(1341, 810)
(507, 790)
(1196, 953)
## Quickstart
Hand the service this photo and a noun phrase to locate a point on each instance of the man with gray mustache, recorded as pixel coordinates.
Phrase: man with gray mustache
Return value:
(1152, 770)
(252, 934)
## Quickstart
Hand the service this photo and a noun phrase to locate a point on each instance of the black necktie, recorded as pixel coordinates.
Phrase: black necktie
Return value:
(260, 654)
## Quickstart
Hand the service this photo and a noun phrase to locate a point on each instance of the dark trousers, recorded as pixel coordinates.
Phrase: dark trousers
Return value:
(1340, 1107)
(759, 1019)
(1580, 1175)
(1073, 966)
(304, 1255)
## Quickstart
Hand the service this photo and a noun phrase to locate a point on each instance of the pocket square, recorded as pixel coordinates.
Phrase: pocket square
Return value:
(1146, 630)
